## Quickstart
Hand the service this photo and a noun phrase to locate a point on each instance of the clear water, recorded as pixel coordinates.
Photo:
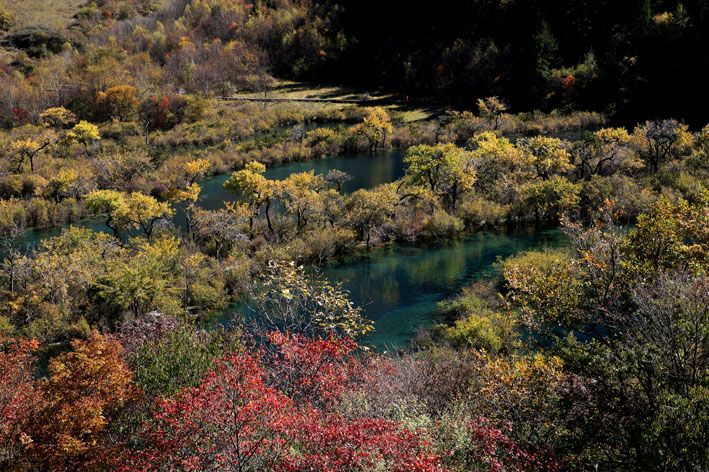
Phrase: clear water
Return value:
(398, 286)
(368, 170)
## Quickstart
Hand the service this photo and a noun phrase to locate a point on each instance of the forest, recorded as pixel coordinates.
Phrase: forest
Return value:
(298, 235)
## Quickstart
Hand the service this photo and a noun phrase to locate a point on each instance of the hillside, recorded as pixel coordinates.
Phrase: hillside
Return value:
(52, 13)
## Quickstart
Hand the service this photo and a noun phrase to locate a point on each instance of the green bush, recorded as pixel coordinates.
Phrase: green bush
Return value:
(11, 186)
(478, 212)
(546, 201)
(476, 331)
(542, 261)
(442, 225)
(36, 41)
(38, 213)
(476, 324)
(177, 360)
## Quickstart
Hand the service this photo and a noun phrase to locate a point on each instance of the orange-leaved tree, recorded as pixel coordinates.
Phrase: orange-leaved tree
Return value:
(18, 398)
(86, 388)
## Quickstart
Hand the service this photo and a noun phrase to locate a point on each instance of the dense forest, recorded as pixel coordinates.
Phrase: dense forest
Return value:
(170, 205)
(638, 58)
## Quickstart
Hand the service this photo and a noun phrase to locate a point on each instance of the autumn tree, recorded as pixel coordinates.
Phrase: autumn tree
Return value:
(221, 229)
(19, 397)
(84, 133)
(148, 282)
(300, 193)
(292, 301)
(670, 338)
(491, 447)
(128, 211)
(167, 354)
(671, 236)
(57, 117)
(513, 385)
(335, 442)
(161, 113)
(550, 199)
(584, 297)
(86, 388)
(376, 126)
(550, 156)
(314, 371)
(236, 419)
(658, 141)
(12, 226)
(232, 420)
(196, 169)
(605, 150)
(185, 188)
(121, 170)
(445, 168)
(638, 301)
(116, 102)
(254, 188)
(27, 150)
(337, 178)
(51, 307)
(492, 109)
(145, 212)
(501, 167)
(63, 184)
(365, 210)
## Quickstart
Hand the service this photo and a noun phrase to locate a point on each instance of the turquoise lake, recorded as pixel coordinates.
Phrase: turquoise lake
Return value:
(398, 286)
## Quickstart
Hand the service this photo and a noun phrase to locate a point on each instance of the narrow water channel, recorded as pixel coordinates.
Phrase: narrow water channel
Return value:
(399, 286)
(367, 170)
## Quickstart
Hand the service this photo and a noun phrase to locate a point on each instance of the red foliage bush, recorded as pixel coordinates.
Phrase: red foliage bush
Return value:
(236, 420)
(493, 450)
(18, 396)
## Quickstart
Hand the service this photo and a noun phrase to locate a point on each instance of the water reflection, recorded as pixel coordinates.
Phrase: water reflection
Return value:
(399, 287)
(368, 170)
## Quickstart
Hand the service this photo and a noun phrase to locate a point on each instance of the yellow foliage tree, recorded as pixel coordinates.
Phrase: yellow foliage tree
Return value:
(85, 388)
(58, 117)
(117, 102)
(125, 212)
(84, 132)
(376, 126)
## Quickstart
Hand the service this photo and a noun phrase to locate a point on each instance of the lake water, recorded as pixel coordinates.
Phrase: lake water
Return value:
(398, 286)
(367, 170)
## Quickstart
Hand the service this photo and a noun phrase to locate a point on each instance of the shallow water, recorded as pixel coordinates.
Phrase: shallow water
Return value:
(367, 170)
(400, 286)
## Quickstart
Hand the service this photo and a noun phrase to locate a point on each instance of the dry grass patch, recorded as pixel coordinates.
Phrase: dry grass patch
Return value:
(56, 13)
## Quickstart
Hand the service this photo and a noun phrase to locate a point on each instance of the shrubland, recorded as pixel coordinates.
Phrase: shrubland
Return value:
(594, 356)
(453, 184)
(589, 355)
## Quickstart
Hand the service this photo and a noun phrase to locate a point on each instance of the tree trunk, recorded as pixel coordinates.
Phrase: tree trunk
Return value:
(268, 215)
